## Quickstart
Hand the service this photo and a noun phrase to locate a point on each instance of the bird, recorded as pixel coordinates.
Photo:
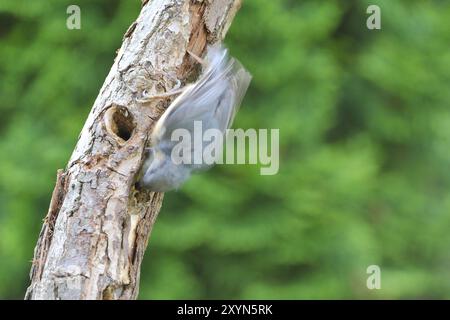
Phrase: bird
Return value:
(211, 101)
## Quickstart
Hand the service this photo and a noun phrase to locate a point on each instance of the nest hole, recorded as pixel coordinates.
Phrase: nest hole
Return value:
(119, 122)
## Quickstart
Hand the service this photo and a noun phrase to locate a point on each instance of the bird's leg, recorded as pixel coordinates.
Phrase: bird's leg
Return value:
(177, 90)
(147, 98)
(196, 57)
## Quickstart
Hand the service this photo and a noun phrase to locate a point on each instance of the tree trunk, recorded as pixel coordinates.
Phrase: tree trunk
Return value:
(96, 231)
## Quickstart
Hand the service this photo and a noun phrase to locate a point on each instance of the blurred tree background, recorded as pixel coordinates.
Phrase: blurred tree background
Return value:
(364, 176)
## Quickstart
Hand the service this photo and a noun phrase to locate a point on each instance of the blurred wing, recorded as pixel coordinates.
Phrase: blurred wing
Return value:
(214, 99)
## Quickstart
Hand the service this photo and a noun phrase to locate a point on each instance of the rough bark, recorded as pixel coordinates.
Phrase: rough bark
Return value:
(96, 231)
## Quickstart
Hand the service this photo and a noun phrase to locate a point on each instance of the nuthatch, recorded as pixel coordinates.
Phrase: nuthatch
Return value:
(212, 100)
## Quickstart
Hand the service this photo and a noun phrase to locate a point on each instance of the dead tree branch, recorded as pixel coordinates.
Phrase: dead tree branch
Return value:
(97, 228)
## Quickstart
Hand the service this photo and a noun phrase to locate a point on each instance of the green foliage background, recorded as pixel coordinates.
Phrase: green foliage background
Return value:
(364, 174)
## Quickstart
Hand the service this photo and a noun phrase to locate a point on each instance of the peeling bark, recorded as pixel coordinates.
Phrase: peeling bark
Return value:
(97, 228)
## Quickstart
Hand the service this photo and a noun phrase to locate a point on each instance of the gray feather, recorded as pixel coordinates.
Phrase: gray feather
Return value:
(213, 99)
